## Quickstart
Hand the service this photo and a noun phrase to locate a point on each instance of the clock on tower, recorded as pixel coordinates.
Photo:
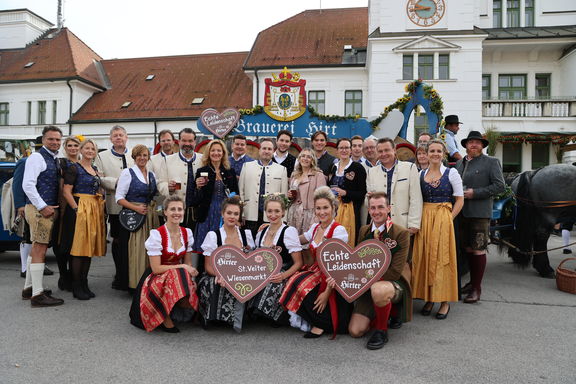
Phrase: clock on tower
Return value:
(425, 13)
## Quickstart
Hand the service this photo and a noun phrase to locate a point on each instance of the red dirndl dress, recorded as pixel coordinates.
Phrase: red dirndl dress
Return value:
(307, 280)
(161, 292)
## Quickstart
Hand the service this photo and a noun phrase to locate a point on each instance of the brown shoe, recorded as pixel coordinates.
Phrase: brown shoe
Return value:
(27, 293)
(473, 297)
(467, 288)
(43, 300)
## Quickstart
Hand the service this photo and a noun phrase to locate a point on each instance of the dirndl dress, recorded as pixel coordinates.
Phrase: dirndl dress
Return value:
(345, 215)
(216, 302)
(267, 302)
(303, 288)
(156, 295)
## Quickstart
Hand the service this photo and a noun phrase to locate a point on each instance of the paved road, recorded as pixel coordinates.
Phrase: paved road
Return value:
(523, 331)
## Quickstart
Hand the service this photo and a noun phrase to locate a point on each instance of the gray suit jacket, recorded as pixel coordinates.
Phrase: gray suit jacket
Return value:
(484, 175)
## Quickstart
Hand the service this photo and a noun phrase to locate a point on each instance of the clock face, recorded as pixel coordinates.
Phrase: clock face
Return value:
(425, 12)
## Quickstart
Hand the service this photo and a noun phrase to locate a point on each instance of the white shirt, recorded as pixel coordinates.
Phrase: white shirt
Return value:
(34, 166)
(451, 144)
(211, 243)
(280, 159)
(339, 233)
(381, 228)
(337, 164)
(455, 180)
(153, 243)
(291, 239)
(125, 179)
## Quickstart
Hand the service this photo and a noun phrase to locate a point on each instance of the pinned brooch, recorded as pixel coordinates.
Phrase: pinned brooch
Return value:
(390, 243)
(350, 175)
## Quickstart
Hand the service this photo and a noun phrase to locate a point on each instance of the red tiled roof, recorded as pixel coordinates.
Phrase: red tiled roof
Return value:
(219, 78)
(63, 56)
(313, 37)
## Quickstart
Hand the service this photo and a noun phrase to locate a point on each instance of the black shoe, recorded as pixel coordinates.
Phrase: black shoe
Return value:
(565, 251)
(65, 283)
(87, 289)
(467, 288)
(47, 271)
(78, 292)
(394, 323)
(310, 335)
(27, 293)
(164, 328)
(426, 311)
(442, 316)
(43, 300)
(23, 274)
(119, 286)
(378, 339)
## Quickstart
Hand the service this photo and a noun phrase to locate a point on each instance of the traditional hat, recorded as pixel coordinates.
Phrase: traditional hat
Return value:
(475, 135)
(452, 119)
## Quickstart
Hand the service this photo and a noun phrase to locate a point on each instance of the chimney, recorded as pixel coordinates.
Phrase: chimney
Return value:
(60, 19)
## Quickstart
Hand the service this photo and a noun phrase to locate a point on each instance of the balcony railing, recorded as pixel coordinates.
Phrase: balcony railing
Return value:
(565, 107)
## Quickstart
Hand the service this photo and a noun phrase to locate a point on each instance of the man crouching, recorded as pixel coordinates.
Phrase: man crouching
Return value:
(393, 287)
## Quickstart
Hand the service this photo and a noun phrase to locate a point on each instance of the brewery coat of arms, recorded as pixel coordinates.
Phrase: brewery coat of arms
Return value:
(285, 96)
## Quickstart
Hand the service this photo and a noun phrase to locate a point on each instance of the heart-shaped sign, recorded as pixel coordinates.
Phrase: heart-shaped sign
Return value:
(220, 124)
(354, 270)
(245, 274)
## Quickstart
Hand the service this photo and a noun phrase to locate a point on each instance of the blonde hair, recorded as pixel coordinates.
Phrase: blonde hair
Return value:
(313, 164)
(138, 150)
(278, 198)
(172, 199)
(72, 138)
(206, 157)
(82, 144)
(325, 192)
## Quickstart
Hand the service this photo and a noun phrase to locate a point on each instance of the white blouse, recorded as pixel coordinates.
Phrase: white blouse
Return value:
(124, 181)
(455, 180)
(153, 243)
(210, 241)
(339, 233)
(291, 240)
(337, 164)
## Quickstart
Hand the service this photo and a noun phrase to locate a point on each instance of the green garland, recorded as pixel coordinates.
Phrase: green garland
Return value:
(313, 113)
(252, 111)
(436, 104)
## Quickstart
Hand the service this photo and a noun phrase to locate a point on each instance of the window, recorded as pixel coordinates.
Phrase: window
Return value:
(513, 12)
(4, 112)
(542, 86)
(529, 13)
(512, 157)
(540, 155)
(41, 113)
(444, 67)
(54, 111)
(317, 100)
(29, 113)
(426, 67)
(512, 87)
(420, 123)
(486, 83)
(353, 103)
(497, 13)
(407, 67)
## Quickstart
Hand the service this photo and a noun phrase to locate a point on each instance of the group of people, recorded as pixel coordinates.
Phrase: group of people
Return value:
(292, 204)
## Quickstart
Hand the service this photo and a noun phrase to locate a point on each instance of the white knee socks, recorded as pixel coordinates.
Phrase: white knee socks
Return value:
(37, 272)
(24, 253)
(28, 281)
(566, 238)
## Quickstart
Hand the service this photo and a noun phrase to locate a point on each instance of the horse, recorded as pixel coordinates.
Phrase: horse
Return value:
(543, 197)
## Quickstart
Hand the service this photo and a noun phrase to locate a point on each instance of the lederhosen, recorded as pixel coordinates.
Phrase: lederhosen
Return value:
(216, 302)
(267, 301)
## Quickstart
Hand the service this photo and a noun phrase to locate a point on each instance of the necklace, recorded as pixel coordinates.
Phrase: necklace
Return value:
(270, 236)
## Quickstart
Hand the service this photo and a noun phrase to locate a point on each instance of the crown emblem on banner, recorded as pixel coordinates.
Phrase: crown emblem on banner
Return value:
(286, 74)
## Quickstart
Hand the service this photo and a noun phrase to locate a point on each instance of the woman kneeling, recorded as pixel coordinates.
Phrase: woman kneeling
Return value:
(169, 280)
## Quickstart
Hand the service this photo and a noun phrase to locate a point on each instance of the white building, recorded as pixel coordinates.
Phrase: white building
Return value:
(505, 65)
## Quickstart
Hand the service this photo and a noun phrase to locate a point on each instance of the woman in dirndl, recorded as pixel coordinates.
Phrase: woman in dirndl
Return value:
(83, 218)
(216, 303)
(62, 241)
(313, 305)
(135, 191)
(305, 179)
(169, 282)
(434, 266)
(347, 179)
(286, 241)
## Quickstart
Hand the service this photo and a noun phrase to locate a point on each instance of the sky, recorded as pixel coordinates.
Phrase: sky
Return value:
(143, 28)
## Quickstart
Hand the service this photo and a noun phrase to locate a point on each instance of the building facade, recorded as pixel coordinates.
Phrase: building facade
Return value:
(504, 66)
